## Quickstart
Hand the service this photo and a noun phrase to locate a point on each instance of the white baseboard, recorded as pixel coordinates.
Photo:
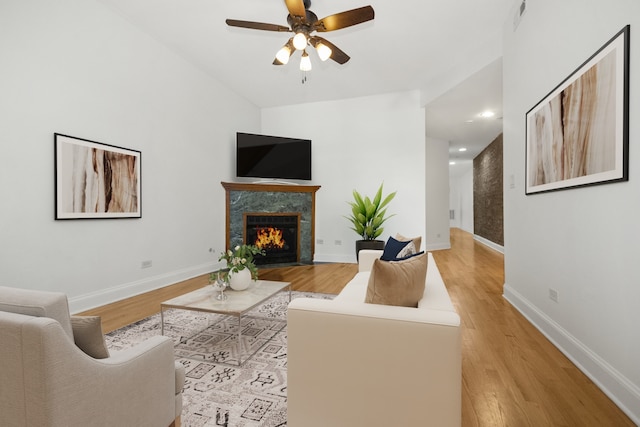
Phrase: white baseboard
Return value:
(489, 243)
(437, 246)
(120, 292)
(342, 258)
(619, 388)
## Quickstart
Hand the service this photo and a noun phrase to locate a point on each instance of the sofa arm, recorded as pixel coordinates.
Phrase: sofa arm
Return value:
(366, 258)
(396, 362)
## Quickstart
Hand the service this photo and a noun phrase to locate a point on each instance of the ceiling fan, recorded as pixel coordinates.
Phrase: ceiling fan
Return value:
(303, 23)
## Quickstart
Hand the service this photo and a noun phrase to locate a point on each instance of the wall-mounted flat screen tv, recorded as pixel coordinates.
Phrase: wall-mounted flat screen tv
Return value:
(273, 157)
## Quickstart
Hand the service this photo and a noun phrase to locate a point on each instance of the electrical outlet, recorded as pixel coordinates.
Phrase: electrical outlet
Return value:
(553, 295)
(320, 241)
(338, 242)
(147, 264)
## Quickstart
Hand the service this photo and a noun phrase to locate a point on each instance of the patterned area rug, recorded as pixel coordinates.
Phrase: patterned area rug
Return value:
(216, 393)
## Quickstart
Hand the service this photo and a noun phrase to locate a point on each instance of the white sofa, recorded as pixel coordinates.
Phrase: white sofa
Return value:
(353, 364)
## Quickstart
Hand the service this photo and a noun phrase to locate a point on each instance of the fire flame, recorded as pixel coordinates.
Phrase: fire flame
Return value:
(269, 238)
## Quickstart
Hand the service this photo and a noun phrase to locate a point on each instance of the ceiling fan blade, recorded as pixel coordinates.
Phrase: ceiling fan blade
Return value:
(336, 54)
(296, 8)
(345, 19)
(257, 25)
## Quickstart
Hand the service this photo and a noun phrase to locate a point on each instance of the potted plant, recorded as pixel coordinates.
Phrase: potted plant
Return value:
(241, 266)
(367, 217)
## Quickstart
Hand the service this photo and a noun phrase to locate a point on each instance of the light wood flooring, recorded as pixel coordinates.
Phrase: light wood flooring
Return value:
(512, 376)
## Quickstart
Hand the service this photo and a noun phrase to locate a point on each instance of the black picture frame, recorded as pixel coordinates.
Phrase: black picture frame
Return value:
(95, 180)
(578, 134)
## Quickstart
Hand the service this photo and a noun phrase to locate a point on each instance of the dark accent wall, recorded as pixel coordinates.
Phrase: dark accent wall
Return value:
(488, 217)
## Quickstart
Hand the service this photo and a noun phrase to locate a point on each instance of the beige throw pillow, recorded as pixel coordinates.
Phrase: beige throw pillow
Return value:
(87, 334)
(397, 282)
(416, 240)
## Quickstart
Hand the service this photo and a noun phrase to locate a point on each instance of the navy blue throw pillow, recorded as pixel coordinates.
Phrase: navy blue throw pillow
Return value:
(392, 248)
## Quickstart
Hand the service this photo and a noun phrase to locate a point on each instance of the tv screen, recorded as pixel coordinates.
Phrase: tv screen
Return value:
(264, 156)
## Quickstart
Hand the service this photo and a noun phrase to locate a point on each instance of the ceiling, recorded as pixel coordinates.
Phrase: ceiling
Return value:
(456, 116)
(447, 50)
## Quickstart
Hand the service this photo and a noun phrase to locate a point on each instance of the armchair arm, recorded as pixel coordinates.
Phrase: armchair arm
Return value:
(180, 376)
(136, 386)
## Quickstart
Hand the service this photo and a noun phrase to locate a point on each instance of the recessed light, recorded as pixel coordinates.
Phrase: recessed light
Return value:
(462, 149)
(487, 114)
(468, 121)
(452, 163)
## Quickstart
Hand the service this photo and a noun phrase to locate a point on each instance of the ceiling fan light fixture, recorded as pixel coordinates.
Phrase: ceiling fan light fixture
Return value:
(305, 62)
(324, 51)
(300, 41)
(284, 54)
(303, 23)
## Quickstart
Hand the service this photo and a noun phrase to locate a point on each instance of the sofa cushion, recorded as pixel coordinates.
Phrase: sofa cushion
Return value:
(391, 249)
(395, 249)
(406, 252)
(417, 241)
(399, 283)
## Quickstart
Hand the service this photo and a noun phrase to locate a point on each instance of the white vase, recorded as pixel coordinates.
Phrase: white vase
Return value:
(240, 280)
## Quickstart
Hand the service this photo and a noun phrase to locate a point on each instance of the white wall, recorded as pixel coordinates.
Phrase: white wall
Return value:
(461, 200)
(437, 194)
(580, 242)
(74, 67)
(358, 144)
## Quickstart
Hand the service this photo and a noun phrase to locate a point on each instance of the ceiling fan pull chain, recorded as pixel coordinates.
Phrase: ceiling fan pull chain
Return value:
(303, 77)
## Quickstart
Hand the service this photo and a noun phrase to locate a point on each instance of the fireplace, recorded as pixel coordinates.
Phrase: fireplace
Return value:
(270, 199)
(277, 233)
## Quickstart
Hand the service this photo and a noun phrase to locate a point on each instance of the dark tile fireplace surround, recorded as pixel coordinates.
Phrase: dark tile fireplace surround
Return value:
(254, 208)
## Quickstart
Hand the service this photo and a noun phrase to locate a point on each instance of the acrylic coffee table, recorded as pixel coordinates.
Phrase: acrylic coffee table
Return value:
(237, 304)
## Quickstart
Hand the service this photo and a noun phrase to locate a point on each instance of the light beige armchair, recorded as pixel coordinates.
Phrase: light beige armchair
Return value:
(55, 371)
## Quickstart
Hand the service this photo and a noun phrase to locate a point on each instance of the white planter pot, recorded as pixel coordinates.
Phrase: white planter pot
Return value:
(239, 281)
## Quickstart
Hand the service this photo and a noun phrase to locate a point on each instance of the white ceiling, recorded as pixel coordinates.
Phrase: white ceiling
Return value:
(448, 50)
(455, 116)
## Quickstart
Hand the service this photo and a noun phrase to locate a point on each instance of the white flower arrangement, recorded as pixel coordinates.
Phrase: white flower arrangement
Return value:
(241, 257)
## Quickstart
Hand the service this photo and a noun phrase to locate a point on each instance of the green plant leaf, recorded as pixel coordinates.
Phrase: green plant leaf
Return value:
(370, 209)
(358, 199)
(388, 199)
(355, 210)
(368, 232)
(378, 196)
